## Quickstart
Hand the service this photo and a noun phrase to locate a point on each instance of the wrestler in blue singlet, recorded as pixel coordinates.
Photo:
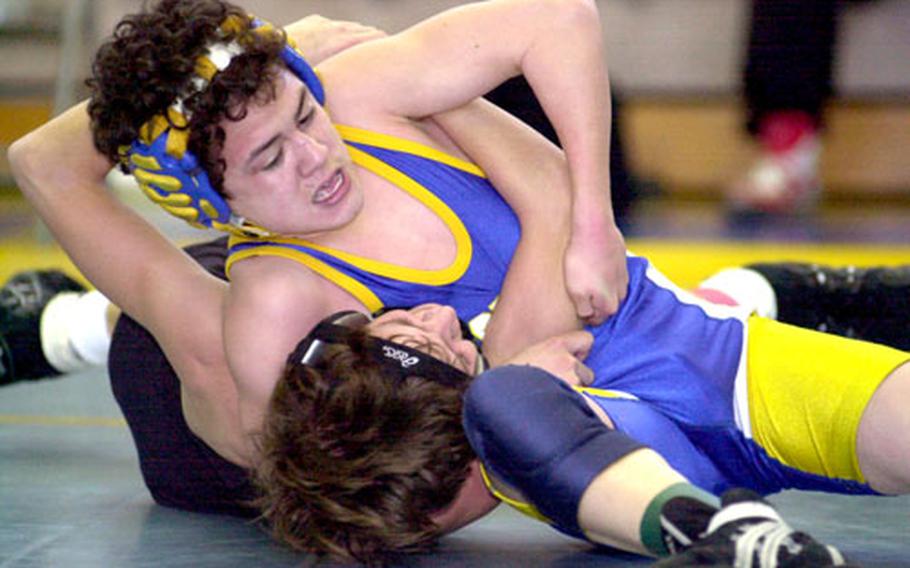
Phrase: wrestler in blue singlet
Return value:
(485, 229)
(669, 367)
(682, 359)
(671, 373)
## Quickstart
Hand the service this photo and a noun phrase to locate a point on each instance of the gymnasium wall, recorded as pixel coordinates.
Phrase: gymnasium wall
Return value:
(674, 62)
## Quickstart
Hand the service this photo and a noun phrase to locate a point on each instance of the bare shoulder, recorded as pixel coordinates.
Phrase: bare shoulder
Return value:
(272, 304)
(271, 286)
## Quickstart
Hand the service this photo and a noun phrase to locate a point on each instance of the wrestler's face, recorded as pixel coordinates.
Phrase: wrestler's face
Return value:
(287, 168)
(473, 501)
(435, 330)
(431, 328)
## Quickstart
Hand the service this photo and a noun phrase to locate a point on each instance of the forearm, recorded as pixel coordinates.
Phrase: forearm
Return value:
(531, 175)
(566, 68)
(62, 175)
(533, 304)
(58, 170)
(49, 161)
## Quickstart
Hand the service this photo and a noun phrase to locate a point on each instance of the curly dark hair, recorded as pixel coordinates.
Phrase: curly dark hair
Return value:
(150, 59)
(353, 463)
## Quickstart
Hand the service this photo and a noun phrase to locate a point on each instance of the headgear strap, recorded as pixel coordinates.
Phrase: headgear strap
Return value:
(395, 360)
(167, 172)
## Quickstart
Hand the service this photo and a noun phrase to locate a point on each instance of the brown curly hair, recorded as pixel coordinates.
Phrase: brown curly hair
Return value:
(149, 60)
(353, 463)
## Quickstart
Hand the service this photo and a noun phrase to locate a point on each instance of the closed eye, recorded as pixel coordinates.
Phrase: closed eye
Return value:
(276, 161)
(424, 345)
(305, 119)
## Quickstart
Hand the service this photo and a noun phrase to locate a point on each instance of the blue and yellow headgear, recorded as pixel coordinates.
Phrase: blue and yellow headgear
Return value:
(168, 173)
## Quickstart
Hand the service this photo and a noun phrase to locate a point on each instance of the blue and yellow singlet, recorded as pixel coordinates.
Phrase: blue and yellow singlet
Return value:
(484, 227)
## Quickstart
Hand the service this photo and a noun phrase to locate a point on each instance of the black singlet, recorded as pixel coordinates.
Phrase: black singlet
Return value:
(179, 469)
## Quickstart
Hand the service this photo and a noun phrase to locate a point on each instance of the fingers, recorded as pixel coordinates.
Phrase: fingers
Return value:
(583, 306)
(357, 37)
(599, 310)
(368, 32)
(594, 309)
(561, 356)
(584, 373)
(578, 343)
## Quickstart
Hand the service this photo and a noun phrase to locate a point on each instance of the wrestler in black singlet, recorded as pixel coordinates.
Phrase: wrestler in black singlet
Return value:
(179, 469)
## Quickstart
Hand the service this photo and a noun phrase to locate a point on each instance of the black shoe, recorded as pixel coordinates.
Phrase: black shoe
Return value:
(872, 304)
(747, 531)
(22, 299)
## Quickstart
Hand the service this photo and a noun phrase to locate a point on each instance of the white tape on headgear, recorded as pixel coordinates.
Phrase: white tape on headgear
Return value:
(220, 54)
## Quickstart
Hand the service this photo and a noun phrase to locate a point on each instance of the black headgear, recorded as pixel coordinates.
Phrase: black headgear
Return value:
(395, 360)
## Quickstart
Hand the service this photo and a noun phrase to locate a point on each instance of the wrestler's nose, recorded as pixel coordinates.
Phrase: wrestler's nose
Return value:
(441, 319)
(311, 153)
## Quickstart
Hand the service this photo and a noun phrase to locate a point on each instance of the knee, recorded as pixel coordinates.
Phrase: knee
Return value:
(883, 441)
(501, 403)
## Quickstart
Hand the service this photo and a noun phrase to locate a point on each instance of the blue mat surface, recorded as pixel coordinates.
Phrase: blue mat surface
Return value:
(71, 495)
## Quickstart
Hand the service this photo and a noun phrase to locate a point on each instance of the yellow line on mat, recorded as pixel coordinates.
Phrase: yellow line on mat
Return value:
(22, 420)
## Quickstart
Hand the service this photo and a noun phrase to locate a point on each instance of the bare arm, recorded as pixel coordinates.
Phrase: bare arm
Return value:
(61, 174)
(448, 60)
(532, 175)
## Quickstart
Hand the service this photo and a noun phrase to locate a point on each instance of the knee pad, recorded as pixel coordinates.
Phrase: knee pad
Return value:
(537, 434)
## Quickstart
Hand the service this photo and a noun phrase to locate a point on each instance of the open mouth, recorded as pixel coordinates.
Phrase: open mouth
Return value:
(332, 190)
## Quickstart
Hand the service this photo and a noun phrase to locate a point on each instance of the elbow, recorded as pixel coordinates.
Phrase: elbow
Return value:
(583, 17)
(25, 164)
(18, 157)
(574, 12)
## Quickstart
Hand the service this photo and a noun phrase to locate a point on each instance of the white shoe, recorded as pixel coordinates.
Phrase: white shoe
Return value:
(781, 182)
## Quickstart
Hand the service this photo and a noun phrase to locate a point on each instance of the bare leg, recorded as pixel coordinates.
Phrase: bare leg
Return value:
(883, 440)
(613, 506)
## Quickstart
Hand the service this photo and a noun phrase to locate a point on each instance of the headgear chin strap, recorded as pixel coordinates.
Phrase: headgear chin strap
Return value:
(395, 360)
(167, 172)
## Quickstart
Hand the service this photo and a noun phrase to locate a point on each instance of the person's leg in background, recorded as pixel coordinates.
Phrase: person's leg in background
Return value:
(787, 80)
(50, 325)
(868, 303)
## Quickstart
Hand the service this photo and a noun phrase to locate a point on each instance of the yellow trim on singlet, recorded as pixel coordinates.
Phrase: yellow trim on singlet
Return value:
(352, 286)
(520, 506)
(438, 277)
(360, 136)
(605, 393)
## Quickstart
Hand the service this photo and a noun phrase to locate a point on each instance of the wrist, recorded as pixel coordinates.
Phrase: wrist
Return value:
(591, 210)
(586, 221)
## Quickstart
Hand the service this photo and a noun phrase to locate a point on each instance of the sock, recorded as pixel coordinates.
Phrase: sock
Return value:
(74, 331)
(676, 518)
(745, 287)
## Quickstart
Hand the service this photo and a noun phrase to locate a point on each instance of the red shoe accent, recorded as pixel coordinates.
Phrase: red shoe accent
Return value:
(714, 296)
(784, 178)
(780, 131)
